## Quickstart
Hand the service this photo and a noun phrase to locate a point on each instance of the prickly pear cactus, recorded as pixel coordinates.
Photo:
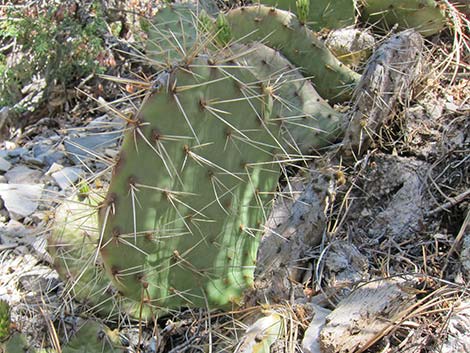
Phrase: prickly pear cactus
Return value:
(190, 190)
(17, 343)
(425, 16)
(308, 122)
(173, 34)
(4, 320)
(73, 246)
(94, 337)
(281, 30)
(321, 14)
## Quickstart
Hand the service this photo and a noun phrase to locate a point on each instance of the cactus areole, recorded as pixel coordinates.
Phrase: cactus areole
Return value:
(189, 193)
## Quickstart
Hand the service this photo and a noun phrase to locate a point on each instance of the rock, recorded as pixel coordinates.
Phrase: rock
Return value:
(33, 161)
(23, 175)
(458, 328)
(86, 147)
(344, 267)
(4, 165)
(21, 200)
(350, 45)
(55, 167)
(47, 154)
(17, 152)
(67, 176)
(311, 340)
(369, 310)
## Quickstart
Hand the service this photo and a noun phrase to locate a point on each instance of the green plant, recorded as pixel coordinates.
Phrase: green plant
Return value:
(5, 321)
(426, 16)
(281, 30)
(199, 165)
(59, 49)
(319, 14)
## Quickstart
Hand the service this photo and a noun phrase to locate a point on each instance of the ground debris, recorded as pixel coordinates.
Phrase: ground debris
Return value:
(366, 313)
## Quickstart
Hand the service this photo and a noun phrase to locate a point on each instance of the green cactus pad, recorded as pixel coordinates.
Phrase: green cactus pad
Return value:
(94, 337)
(73, 246)
(4, 320)
(281, 30)
(328, 14)
(173, 34)
(308, 122)
(191, 188)
(425, 16)
(17, 343)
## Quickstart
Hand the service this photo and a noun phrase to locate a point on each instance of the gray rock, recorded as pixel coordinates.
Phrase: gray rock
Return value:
(23, 175)
(53, 157)
(67, 176)
(311, 340)
(33, 161)
(40, 149)
(81, 148)
(4, 165)
(17, 152)
(458, 328)
(21, 200)
(350, 45)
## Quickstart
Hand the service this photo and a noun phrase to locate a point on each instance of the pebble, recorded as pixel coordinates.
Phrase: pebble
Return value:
(87, 146)
(67, 176)
(311, 340)
(21, 174)
(4, 165)
(21, 200)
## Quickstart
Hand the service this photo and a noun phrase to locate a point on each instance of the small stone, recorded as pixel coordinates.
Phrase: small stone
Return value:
(33, 161)
(4, 165)
(17, 152)
(23, 175)
(311, 340)
(21, 200)
(67, 176)
(465, 253)
(87, 146)
(55, 167)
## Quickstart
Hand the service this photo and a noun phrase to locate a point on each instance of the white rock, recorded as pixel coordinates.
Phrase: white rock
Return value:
(311, 340)
(67, 176)
(458, 330)
(23, 175)
(55, 167)
(4, 165)
(21, 200)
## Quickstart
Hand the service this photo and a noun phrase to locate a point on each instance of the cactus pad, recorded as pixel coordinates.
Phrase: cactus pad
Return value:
(281, 30)
(4, 320)
(308, 122)
(328, 14)
(173, 35)
(425, 16)
(188, 198)
(73, 247)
